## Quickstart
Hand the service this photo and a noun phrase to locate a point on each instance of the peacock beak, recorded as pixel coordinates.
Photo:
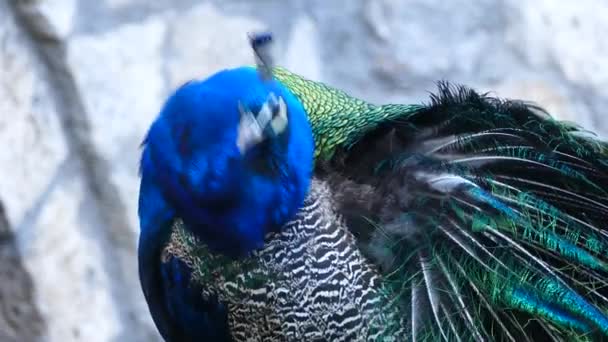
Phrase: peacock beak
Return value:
(270, 122)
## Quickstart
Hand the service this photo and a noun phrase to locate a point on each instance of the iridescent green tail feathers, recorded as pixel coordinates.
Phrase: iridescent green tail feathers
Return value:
(488, 215)
(488, 218)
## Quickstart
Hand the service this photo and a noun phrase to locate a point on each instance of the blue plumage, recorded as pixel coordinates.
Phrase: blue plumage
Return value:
(194, 166)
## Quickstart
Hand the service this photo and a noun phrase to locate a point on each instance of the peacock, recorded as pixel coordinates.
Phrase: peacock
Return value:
(276, 208)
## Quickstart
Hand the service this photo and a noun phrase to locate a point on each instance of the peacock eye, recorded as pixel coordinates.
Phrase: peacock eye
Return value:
(279, 116)
(276, 111)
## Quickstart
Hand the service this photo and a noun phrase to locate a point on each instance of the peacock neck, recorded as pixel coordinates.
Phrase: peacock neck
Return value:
(338, 119)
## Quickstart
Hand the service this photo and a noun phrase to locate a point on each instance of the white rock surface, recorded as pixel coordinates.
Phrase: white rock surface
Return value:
(570, 35)
(204, 40)
(122, 86)
(46, 203)
(60, 14)
(61, 251)
(30, 132)
(125, 56)
(302, 51)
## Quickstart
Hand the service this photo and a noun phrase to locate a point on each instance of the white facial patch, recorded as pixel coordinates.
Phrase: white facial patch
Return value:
(279, 123)
(265, 113)
(249, 132)
(251, 128)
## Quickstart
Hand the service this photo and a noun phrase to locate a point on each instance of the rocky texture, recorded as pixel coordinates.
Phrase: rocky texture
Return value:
(81, 80)
(20, 319)
(28, 127)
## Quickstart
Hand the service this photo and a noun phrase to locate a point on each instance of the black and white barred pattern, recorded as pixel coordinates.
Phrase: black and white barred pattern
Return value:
(315, 284)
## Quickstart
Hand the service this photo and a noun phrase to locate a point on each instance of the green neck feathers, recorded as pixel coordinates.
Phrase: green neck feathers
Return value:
(338, 119)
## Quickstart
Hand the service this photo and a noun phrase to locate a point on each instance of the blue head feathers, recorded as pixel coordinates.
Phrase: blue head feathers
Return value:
(231, 155)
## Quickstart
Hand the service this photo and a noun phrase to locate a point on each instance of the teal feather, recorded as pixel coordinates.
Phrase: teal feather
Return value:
(508, 207)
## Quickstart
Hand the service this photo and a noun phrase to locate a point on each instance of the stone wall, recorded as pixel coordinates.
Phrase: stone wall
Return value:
(81, 80)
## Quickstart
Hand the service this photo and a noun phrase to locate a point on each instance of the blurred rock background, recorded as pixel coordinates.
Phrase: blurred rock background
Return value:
(81, 80)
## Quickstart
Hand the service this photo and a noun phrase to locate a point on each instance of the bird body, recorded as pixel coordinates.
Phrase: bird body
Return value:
(470, 218)
(308, 283)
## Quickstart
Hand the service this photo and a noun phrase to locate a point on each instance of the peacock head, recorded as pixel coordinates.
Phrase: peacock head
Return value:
(233, 155)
